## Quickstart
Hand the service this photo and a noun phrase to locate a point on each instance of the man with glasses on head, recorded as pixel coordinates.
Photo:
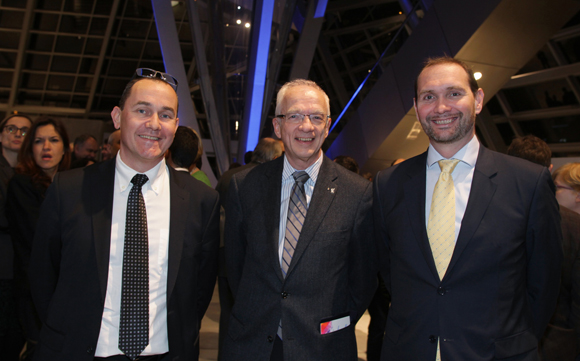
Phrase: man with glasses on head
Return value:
(299, 244)
(125, 259)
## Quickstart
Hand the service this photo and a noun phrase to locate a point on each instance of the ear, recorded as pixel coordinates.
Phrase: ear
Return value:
(116, 116)
(416, 110)
(328, 127)
(276, 124)
(479, 100)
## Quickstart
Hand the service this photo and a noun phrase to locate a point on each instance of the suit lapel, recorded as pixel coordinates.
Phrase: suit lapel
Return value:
(322, 198)
(415, 189)
(271, 203)
(482, 191)
(179, 199)
(101, 180)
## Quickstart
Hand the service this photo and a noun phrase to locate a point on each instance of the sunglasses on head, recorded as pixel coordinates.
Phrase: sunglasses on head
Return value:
(150, 73)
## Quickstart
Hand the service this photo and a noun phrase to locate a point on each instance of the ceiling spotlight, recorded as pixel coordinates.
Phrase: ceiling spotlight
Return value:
(247, 25)
(477, 75)
(239, 7)
(238, 21)
(227, 24)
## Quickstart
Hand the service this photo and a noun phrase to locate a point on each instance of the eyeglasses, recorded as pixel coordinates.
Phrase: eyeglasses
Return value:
(12, 129)
(150, 73)
(316, 119)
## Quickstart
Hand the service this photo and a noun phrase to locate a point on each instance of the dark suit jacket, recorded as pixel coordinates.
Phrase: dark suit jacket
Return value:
(70, 260)
(561, 341)
(332, 272)
(501, 286)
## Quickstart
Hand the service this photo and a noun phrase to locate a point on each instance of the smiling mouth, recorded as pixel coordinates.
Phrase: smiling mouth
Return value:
(149, 137)
(305, 139)
(444, 120)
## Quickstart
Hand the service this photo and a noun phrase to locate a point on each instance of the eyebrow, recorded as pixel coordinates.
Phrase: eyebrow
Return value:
(448, 88)
(142, 102)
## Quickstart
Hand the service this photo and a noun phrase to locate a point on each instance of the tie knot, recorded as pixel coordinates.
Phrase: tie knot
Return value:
(300, 177)
(448, 165)
(139, 179)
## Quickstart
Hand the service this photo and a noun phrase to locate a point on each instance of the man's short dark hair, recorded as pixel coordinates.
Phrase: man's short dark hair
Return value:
(266, 150)
(449, 60)
(347, 162)
(81, 139)
(127, 91)
(184, 147)
(531, 148)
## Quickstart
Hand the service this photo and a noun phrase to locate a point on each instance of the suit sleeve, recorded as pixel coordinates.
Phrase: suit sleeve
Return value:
(209, 259)
(46, 251)
(544, 253)
(234, 238)
(363, 256)
(381, 235)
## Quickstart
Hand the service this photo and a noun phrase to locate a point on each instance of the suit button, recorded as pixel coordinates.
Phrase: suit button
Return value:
(90, 350)
(270, 339)
(441, 291)
(284, 294)
(432, 339)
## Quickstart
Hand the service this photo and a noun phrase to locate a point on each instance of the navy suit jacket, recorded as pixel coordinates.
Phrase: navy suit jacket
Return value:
(70, 261)
(332, 273)
(502, 282)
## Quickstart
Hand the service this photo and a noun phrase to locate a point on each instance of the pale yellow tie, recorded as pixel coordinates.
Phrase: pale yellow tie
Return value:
(441, 225)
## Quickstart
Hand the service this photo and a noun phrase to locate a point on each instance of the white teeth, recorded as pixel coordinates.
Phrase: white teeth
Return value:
(305, 139)
(441, 122)
(149, 137)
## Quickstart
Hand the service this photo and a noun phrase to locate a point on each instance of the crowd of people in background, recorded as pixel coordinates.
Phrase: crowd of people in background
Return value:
(288, 190)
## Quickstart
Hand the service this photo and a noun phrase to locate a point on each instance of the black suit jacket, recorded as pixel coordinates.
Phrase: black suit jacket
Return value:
(561, 341)
(70, 260)
(502, 282)
(332, 272)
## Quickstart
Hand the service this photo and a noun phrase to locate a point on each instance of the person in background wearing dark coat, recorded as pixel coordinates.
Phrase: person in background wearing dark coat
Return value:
(13, 130)
(561, 341)
(44, 152)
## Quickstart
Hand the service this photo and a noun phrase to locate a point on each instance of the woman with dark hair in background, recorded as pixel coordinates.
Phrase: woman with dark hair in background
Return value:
(44, 152)
(12, 131)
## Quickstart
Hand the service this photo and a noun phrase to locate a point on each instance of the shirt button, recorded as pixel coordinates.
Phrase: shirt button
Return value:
(432, 339)
(441, 291)
(284, 294)
(270, 339)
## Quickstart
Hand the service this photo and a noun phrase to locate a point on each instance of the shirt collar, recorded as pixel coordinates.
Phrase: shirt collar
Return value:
(312, 170)
(467, 154)
(125, 174)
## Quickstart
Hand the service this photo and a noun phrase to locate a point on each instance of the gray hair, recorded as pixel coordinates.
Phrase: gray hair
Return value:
(295, 83)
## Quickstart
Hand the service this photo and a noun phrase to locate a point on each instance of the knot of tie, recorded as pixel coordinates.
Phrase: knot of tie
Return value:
(139, 179)
(447, 166)
(300, 177)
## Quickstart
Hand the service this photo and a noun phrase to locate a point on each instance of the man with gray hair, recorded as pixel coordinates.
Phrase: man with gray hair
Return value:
(299, 245)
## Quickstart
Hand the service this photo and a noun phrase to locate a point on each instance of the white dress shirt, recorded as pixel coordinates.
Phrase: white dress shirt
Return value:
(287, 183)
(462, 177)
(156, 195)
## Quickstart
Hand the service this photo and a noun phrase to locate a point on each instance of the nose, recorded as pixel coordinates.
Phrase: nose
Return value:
(46, 145)
(154, 123)
(306, 125)
(441, 106)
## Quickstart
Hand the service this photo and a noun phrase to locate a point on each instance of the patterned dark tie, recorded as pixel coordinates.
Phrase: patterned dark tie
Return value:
(297, 208)
(134, 323)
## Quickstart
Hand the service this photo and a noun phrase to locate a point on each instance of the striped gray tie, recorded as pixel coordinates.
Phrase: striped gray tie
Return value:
(297, 208)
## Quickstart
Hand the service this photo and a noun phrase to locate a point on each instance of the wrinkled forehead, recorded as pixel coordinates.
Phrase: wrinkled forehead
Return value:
(300, 97)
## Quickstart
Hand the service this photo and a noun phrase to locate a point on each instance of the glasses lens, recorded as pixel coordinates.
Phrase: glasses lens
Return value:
(11, 129)
(23, 131)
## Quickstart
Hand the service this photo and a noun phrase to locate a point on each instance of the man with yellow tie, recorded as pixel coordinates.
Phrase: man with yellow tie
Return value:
(469, 238)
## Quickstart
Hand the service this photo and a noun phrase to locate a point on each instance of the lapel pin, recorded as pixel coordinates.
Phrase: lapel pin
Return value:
(332, 190)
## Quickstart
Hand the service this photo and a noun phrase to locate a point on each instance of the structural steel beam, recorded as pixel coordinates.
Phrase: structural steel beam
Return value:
(221, 153)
